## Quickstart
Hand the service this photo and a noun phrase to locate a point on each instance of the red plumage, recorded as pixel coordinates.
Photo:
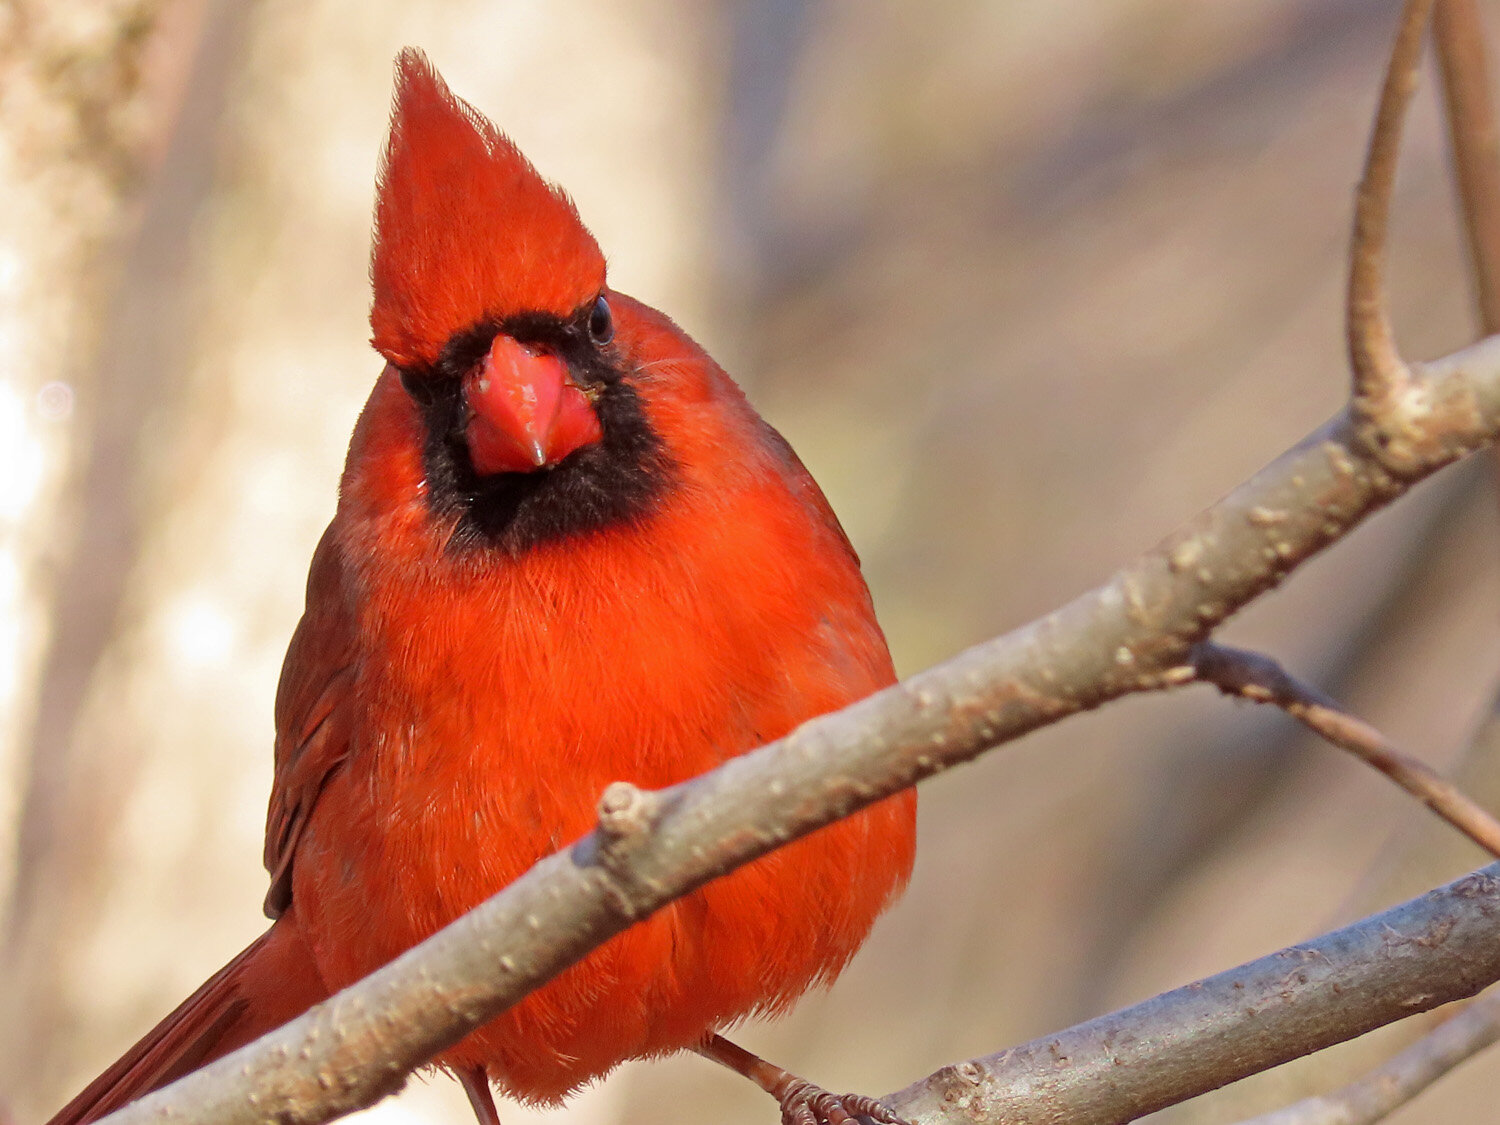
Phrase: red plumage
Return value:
(464, 226)
(481, 655)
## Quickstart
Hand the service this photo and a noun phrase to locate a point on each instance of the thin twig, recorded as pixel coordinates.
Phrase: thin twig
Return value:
(1376, 1095)
(1133, 634)
(1380, 375)
(1253, 676)
(1458, 34)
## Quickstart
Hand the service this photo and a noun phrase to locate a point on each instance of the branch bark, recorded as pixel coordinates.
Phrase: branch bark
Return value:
(1387, 1088)
(1459, 35)
(1440, 947)
(1380, 375)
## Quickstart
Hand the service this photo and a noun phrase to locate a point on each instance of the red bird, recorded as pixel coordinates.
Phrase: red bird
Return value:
(566, 552)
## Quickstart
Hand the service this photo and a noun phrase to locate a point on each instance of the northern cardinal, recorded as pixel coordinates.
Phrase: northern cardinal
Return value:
(566, 552)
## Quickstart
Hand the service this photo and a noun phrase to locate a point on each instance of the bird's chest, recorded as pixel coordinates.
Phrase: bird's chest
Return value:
(492, 716)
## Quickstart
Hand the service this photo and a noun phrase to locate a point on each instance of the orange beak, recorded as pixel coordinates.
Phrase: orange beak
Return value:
(526, 413)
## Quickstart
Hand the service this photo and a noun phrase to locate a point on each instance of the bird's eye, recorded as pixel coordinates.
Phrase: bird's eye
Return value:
(601, 323)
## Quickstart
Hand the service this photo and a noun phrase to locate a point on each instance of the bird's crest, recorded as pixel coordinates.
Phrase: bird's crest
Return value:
(465, 228)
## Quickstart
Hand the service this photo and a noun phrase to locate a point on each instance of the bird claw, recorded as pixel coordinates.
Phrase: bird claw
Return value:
(802, 1103)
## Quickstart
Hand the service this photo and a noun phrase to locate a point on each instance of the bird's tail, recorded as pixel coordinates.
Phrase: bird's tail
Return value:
(274, 980)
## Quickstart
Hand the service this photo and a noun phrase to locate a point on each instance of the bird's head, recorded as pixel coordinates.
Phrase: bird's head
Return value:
(490, 300)
(481, 270)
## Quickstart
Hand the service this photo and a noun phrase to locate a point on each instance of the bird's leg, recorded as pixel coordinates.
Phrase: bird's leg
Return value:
(476, 1084)
(801, 1102)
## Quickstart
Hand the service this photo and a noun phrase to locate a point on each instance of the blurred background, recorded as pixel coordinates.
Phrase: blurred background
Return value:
(1026, 283)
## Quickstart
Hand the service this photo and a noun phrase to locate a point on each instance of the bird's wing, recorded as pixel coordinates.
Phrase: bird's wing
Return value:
(312, 712)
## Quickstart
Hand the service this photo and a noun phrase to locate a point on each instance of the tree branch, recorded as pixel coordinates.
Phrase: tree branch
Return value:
(1434, 949)
(1459, 39)
(1380, 375)
(1249, 675)
(1390, 1086)
(1459, 36)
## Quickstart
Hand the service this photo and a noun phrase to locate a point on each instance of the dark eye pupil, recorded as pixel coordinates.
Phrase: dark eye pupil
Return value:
(601, 322)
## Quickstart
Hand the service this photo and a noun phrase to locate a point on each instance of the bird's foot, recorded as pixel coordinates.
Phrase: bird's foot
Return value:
(801, 1102)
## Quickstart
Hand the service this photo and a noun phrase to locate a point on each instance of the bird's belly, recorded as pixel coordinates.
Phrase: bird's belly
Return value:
(750, 942)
